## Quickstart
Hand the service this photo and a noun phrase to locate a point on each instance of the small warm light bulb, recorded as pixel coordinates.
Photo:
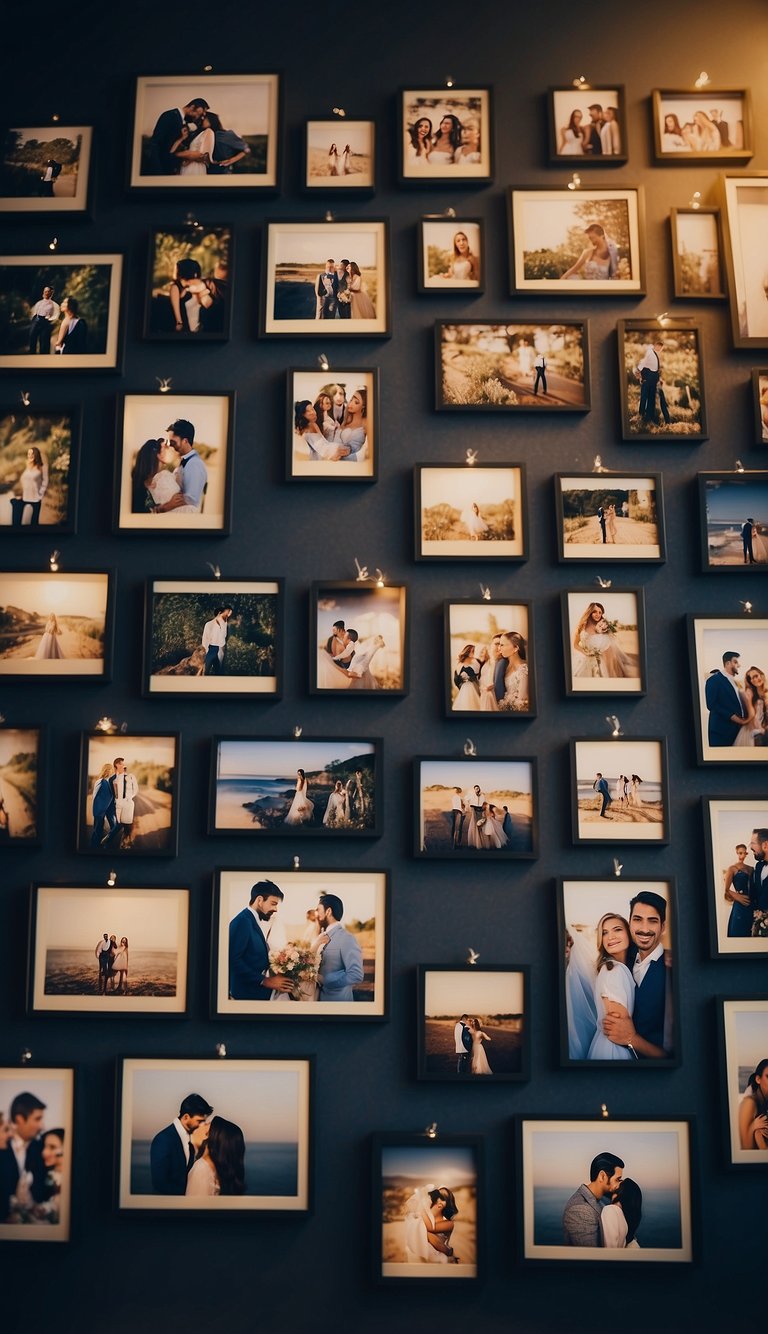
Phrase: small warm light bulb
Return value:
(112, 879)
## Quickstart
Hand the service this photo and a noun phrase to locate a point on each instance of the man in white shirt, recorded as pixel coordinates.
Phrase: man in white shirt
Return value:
(45, 313)
(215, 641)
(126, 789)
(648, 372)
(459, 1045)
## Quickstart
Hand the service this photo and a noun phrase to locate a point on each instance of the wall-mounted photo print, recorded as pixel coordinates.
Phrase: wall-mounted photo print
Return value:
(744, 1036)
(340, 155)
(620, 790)
(713, 124)
(245, 1145)
(476, 513)
(488, 665)
(617, 942)
(332, 431)
(609, 1192)
(734, 519)
(473, 1023)
(470, 809)
(531, 367)
(205, 132)
(729, 669)
(39, 456)
(613, 516)
(697, 254)
(587, 126)
(300, 944)
(745, 220)
(587, 242)
(36, 1191)
(56, 624)
(446, 136)
(58, 314)
(326, 279)
(137, 965)
(358, 639)
(44, 170)
(22, 778)
(173, 464)
(451, 255)
(299, 787)
(189, 284)
(129, 794)
(206, 637)
(604, 642)
(661, 376)
(736, 833)
(428, 1197)
(760, 404)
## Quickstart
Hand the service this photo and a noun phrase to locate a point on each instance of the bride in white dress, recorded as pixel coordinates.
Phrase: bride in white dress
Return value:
(428, 1226)
(49, 646)
(479, 1062)
(196, 152)
(474, 522)
(613, 983)
(302, 809)
(753, 698)
(596, 649)
(759, 545)
(571, 137)
(620, 1219)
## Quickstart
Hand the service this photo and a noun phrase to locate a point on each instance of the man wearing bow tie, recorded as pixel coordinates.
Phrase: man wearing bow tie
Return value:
(191, 474)
(126, 789)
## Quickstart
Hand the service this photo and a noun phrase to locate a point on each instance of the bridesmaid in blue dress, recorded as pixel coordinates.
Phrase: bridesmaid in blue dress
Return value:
(738, 886)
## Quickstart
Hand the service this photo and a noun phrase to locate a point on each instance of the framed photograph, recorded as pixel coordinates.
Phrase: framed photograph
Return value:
(727, 654)
(211, 637)
(300, 944)
(22, 785)
(587, 127)
(744, 1041)
(359, 639)
(604, 646)
(617, 958)
(326, 279)
(38, 1102)
(247, 1129)
(474, 1021)
(661, 374)
(745, 219)
(45, 170)
(203, 132)
(760, 401)
(588, 241)
(470, 809)
(56, 625)
(476, 513)
(39, 458)
(528, 367)
(189, 283)
(710, 123)
(610, 516)
(173, 463)
(451, 255)
(427, 1202)
(340, 155)
(488, 668)
(735, 830)
(734, 521)
(77, 967)
(697, 254)
(332, 423)
(446, 136)
(619, 790)
(60, 314)
(129, 793)
(636, 1201)
(258, 787)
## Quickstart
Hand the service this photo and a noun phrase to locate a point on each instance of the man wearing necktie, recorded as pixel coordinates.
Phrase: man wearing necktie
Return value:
(174, 1149)
(126, 789)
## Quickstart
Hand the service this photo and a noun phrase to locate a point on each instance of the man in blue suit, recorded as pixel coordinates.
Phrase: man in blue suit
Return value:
(600, 786)
(173, 1150)
(248, 947)
(341, 964)
(648, 1033)
(726, 707)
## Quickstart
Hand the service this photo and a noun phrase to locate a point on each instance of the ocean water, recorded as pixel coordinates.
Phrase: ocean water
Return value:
(270, 1169)
(660, 1224)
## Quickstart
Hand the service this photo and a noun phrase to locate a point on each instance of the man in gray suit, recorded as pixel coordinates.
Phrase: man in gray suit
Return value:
(581, 1215)
(341, 962)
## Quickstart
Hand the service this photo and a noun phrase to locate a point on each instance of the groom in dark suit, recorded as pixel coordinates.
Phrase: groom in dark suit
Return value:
(326, 288)
(23, 1152)
(746, 542)
(172, 1151)
(649, 1032)
(167, 129)
(726, 708)
(248, 947)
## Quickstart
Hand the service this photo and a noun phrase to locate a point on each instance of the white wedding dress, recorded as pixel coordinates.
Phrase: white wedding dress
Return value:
(302, 809)
(479, 1064)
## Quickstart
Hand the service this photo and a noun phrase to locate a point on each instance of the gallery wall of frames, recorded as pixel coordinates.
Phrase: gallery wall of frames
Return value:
(384, 658)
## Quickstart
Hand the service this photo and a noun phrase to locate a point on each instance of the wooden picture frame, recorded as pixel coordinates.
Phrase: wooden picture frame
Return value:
(590, 526)
(546, 256)
(577, 138)
(35, 183)
(604, 642)
(457, 147)
(665, 362)
(634, 805)
(62, 624)
(745, 211)
(305, 293)
(697, 254)
(38, 334)
(449, 526)
(326, 166)
(498, 366)
(451, 255)
(701, 137)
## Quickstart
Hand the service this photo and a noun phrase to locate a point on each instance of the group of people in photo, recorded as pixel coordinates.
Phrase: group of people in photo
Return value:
(468, 1040)
(339, 161)
(113, 807)
(49, 318)
(705, 132)
(191, 141)
(112, 963)
(198, 1157)
(598, 136)
(450, 142)
(626, 792)
(31, 1164)
(335, 427)
(746, 888)
(348, 802)
(606, 1210)
(341, 293)
(169, 474)
(478, 823)
(737, 712)
(492, 677)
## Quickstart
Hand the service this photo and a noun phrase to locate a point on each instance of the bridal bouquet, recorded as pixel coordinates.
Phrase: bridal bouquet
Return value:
(345, 298)
(297, 962)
